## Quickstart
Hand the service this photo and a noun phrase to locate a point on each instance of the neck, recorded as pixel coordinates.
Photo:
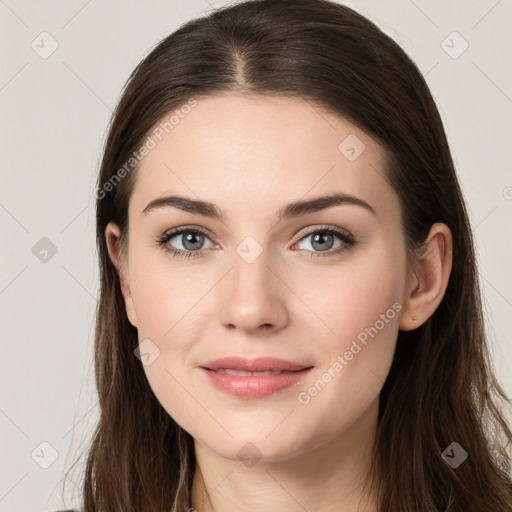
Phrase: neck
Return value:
(326, 478)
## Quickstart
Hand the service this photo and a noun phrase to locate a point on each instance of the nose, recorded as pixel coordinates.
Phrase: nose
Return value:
(253, 296)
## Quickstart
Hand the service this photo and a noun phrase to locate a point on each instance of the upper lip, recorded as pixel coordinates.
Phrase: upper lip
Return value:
(260, 364)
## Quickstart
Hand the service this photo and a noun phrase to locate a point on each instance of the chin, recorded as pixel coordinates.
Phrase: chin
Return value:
(252, 447)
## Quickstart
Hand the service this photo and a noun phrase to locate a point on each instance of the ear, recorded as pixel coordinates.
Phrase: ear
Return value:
(428, 280)
(119, 260)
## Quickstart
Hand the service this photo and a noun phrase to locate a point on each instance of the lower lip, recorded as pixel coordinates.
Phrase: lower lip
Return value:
(254, 386)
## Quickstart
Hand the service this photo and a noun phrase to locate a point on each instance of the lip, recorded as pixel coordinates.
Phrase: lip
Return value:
(259, 364)
(254, 386)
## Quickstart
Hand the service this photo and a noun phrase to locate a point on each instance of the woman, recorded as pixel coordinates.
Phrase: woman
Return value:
(290, 316)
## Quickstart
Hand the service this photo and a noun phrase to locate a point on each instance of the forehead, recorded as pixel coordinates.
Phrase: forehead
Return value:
(253, 151)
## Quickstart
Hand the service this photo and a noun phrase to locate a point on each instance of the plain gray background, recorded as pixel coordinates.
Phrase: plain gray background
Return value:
(55, 109)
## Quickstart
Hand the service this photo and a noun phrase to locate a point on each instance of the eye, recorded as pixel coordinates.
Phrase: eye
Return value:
(191, 240)
(323, 241)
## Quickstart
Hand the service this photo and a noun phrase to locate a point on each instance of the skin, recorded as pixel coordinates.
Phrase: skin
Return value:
(283, 304)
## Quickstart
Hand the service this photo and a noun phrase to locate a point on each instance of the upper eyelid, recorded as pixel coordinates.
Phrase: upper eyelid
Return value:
(326, 227)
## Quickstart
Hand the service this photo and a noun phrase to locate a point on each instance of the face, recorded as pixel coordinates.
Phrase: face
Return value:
(320, 288)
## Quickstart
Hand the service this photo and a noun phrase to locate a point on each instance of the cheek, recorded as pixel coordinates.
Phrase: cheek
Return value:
(163, 296)
(168, 307)
(352, 297)
(359, 306)
(357, 351)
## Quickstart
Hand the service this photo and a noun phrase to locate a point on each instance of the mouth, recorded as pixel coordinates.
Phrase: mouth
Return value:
(243, 373)
(254, 378)
(260, 365)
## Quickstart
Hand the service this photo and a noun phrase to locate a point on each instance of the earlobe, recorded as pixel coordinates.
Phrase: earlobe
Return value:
(431, 274)
(112, 235)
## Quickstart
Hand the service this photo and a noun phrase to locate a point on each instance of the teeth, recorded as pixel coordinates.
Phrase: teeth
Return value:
(243, 373)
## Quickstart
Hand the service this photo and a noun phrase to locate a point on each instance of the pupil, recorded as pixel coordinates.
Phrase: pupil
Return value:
(317, 237)
(190, 238)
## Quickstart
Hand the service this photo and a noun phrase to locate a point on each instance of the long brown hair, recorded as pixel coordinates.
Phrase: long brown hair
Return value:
(441, 387)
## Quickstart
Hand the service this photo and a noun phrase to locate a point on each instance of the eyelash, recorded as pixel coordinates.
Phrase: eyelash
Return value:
(348, 240)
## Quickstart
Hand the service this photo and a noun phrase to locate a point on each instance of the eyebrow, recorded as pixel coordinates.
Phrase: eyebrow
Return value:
(292, 210)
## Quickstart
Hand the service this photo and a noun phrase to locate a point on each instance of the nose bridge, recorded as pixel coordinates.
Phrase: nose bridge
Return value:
(251, 268)
(251, 295)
